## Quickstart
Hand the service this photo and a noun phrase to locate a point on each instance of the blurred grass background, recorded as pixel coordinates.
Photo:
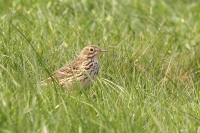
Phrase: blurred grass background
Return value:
(149, 79)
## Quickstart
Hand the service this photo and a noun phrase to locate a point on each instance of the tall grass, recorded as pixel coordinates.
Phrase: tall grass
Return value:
(149, 78)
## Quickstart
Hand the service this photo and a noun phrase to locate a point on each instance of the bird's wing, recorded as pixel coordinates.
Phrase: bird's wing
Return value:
(69, 70)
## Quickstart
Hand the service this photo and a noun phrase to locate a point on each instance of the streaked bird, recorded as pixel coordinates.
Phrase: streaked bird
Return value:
(82, 70)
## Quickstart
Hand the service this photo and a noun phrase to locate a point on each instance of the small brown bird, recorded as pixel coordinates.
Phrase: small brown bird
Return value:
(82, 70)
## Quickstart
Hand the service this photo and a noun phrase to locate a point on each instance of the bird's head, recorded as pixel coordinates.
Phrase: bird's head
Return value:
(91, 51)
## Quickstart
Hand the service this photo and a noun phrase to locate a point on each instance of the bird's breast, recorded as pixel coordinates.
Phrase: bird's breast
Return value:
(92, 68)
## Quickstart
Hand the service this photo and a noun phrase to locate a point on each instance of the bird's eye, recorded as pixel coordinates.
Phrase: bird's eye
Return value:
(91, 49)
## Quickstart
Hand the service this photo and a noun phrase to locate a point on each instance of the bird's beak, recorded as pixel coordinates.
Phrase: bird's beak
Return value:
(103, 50)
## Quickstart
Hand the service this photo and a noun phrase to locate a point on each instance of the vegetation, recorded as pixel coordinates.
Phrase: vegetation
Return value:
(149, 79)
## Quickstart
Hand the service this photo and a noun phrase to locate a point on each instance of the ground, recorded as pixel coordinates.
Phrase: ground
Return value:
(149, 79)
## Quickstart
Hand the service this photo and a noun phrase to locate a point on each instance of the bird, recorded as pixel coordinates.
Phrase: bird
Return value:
(82, 70)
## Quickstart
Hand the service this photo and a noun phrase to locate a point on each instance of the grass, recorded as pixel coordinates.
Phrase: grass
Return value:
(149, 79)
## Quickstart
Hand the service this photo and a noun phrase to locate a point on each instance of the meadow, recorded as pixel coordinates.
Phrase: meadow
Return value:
(149, 80)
